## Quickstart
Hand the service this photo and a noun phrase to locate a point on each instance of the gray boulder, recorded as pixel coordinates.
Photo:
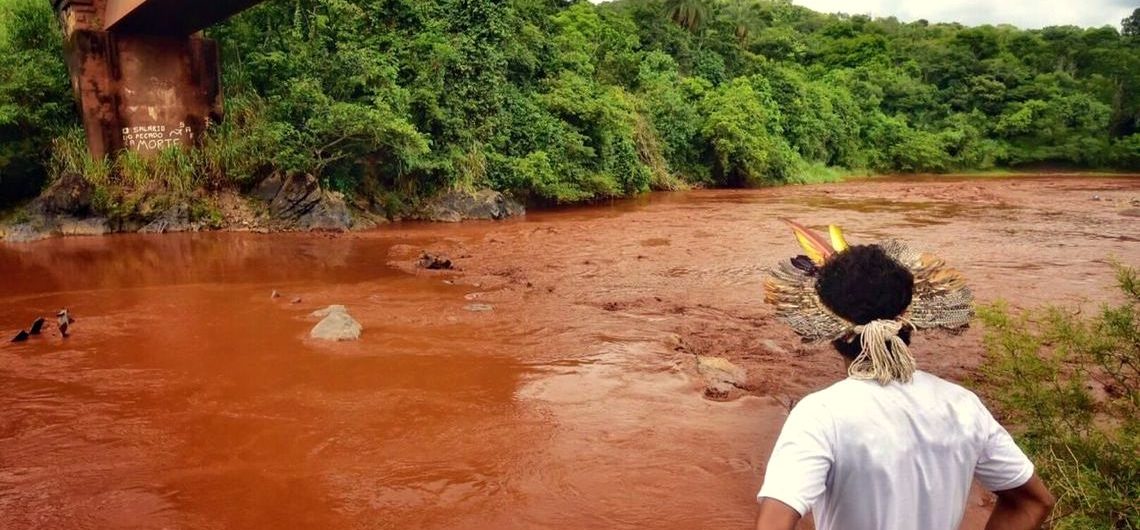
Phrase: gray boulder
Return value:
(455, 206)
(330, 214)
(335, 325)
(299, 201)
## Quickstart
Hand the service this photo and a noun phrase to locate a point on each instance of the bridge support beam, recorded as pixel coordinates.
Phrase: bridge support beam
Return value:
(136, 91)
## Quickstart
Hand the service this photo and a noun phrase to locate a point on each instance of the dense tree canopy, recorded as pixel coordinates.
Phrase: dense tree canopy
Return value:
(35, 95)
(570, 101)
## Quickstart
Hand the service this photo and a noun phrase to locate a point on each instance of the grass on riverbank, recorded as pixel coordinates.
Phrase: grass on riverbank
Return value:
(134, 186)
(1070, 387)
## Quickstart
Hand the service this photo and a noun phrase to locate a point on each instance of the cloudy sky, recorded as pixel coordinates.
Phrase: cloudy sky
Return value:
(1021, 13)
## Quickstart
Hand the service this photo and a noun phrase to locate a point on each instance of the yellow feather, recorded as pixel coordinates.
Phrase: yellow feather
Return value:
(837, 240)
(815, 246)
(813, 253)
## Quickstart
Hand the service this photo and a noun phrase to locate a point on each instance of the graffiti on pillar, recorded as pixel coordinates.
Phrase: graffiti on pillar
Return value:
(154, 137)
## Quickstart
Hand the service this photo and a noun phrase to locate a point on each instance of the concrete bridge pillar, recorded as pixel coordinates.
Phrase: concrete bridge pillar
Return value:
(137, 90)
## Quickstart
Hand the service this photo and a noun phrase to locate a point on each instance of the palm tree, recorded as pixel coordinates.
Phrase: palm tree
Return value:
(688, 14)
(742, 16)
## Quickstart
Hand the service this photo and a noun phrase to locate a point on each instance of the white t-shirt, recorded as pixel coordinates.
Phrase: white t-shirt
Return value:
(861, 456)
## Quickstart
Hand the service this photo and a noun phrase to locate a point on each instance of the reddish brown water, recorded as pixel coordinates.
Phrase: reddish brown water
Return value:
(188, 398)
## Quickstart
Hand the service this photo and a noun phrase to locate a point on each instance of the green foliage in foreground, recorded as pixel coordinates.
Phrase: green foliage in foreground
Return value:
(1071, 387)
(561, 101)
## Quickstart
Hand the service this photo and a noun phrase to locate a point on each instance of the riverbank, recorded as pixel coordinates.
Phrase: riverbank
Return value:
(300, 205)
(72, 207)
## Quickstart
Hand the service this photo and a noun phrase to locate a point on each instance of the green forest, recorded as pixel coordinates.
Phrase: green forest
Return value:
(560, 102)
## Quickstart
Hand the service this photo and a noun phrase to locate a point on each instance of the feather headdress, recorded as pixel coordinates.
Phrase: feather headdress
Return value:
(941, 300)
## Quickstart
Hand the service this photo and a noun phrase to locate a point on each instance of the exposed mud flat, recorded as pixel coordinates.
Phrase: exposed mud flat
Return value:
(576, 396)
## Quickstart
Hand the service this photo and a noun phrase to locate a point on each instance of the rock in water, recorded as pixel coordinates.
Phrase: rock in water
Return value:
(456, 206)
(435, 263)
(722, 377)
(21, 336)
(36, 326)
(336, 325)
(322, 313)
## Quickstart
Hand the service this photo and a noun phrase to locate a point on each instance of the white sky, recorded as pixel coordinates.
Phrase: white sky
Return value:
(1022, 13)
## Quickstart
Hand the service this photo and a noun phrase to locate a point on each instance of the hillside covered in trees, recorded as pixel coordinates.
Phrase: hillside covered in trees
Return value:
(391, 100)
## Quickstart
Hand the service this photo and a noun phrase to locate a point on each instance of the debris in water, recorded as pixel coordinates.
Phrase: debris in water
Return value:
(65, 321)
(275, 294)
(432, 262)
(24, 334)
(478, 308)
(296, 300)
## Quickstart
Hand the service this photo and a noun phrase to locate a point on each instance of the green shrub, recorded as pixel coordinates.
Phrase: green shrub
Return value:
(35, 96)
(1070, 387)
(1126, 152)
(744, 133)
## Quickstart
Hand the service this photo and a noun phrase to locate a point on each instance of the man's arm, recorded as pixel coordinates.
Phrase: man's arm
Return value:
(1022, 508)
(775, 515)
(796, 475)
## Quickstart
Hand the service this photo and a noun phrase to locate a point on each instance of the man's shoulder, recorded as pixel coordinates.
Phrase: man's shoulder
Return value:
(943, 387)
(835, 394)
(850, 391)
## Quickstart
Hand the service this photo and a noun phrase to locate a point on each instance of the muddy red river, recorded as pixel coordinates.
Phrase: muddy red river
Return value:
(555, 380)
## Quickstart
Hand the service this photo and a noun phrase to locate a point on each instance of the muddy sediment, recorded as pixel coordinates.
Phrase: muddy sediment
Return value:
(621, 370)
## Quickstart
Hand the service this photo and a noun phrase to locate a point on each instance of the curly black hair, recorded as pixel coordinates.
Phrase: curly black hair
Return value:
(862, 284)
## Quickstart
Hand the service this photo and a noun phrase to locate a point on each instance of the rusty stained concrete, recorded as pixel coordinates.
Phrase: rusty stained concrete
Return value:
(169, 17)
(138, 91)
(168, 90)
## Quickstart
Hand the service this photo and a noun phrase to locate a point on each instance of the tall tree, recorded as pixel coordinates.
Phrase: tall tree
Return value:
(742, 16)
(1131, 26)
(688, 14)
